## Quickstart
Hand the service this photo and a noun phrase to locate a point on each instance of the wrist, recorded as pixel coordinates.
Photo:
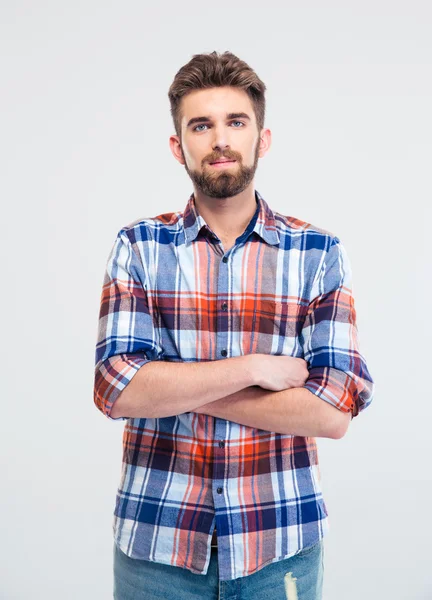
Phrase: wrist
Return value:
(252, 369)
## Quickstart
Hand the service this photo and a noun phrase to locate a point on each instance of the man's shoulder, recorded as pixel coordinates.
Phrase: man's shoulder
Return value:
(293, 225)
(170, 220)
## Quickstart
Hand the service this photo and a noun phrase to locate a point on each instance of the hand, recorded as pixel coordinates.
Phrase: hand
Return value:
(279, 373)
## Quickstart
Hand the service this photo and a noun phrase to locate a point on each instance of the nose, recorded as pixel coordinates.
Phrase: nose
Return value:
(220, 140)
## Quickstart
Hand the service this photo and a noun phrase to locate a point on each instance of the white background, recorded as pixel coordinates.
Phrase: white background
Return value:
(84, 151)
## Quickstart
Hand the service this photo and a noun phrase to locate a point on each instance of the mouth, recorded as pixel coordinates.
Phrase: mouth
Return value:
(221, 163)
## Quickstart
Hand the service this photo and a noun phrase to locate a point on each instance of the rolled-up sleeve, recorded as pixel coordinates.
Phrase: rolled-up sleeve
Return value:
(337, 370)
(126, 338)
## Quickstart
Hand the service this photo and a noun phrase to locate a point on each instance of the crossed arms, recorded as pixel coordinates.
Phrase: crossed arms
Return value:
(256, 390)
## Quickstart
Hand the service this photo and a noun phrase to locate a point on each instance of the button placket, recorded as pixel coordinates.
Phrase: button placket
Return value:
(222, 310)
(222, 303)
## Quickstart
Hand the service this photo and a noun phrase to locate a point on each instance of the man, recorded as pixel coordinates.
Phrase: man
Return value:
(228, 342)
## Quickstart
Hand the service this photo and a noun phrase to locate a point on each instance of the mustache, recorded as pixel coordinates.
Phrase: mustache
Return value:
(227, 155)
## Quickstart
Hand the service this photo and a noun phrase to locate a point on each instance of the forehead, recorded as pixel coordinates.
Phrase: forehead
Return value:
(215, 103)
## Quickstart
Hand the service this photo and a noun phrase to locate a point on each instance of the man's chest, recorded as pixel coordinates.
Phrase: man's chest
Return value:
(253, 298)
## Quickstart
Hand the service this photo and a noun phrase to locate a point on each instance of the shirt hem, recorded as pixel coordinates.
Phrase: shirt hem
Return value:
(195, 571)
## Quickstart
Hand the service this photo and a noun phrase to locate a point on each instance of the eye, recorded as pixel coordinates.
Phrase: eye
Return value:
(204, 125)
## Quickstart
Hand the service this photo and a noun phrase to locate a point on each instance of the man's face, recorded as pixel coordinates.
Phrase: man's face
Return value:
(219, 123)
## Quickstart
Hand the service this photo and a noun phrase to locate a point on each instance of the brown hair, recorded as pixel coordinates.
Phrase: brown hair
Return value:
(216, 70)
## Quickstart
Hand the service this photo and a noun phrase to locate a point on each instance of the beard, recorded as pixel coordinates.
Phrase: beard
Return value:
(227, 182)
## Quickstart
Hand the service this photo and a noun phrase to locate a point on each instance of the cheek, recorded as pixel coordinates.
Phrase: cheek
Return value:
(193, 159)
(252, 149)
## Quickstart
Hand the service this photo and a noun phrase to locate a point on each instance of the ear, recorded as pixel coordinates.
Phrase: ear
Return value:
(265, 142)
(174, 142)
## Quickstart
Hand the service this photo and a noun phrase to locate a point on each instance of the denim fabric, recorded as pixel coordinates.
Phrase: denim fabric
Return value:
(299, 577)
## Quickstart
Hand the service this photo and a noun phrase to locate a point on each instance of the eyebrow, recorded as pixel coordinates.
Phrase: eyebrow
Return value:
(237, 115)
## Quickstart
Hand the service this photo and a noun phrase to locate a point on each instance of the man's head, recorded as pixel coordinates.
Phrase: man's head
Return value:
(218, 108)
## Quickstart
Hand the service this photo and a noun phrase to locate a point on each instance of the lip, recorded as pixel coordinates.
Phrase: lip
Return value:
(222, 162)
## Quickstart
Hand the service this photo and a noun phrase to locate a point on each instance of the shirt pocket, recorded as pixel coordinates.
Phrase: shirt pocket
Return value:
(274, 327)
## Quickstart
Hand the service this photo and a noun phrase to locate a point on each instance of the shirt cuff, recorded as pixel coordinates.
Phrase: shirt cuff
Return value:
(111, 377)
(335, 387)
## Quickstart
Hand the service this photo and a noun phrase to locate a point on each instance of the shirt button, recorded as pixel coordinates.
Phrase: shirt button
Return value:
(224, 306)
(224, 352)
(221, 444)
(219, 490)
(225, 259)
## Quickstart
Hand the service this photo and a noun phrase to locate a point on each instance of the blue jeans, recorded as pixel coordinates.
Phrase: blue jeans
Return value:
(299, 577)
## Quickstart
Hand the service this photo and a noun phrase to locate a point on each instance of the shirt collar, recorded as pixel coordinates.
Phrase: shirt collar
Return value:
(263, 222)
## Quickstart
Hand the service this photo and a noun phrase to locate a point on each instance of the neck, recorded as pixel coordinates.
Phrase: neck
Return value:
(227, 217)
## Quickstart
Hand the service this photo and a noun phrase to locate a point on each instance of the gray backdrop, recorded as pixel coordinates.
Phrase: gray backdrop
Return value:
(84, 151)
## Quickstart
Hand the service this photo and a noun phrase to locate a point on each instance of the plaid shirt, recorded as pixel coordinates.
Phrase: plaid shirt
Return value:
(170, 293)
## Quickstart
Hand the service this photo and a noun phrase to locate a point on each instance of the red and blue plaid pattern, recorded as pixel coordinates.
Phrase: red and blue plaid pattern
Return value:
(170, 293)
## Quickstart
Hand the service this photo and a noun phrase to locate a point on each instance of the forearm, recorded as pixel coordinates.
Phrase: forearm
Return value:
(163, 389)
(294, 411)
